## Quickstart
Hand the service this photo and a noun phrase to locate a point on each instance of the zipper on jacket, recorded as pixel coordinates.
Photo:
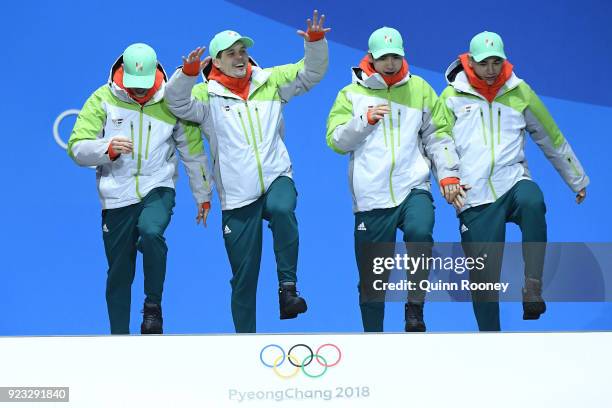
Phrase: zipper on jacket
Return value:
(258, 124)
(498, 125)
(384, 126)
(132, 133)
(392, 147)
(492, 150)
(576, 172)
(255, 148)
(399, 121)
(206, 186)
(449, 161)
(484, 129)
(148, 138)
(139, 152)
(246, 134)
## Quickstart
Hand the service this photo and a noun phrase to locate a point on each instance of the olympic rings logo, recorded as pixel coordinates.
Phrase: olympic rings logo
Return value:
(56, 125)
(299, 358)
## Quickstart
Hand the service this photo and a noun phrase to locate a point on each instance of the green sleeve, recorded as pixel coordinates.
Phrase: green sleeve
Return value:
(90, 121)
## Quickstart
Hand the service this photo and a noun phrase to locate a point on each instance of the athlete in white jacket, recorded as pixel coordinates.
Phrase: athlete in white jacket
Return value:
(385, 120)
(239, 107)
(491, 110)
(126, 130)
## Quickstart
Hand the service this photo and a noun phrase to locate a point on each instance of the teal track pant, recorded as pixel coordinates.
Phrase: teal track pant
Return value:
(242, 232)
(523, 205)
(122, 228)
(415, 218)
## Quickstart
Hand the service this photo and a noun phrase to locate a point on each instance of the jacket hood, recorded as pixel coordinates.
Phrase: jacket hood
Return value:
(123, 95)
(457, 78)
(375, 81)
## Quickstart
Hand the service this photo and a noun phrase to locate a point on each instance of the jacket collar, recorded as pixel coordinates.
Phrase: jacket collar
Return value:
(375, 81)
(456, 77)
(259, 77)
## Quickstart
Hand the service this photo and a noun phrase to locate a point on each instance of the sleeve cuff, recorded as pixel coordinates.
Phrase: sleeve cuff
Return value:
(449, 181)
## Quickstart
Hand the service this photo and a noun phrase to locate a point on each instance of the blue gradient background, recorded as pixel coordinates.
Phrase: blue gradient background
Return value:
(56, 54)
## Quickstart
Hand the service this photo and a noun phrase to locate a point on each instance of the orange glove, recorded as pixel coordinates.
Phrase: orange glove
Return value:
(112, 154)
(448, 181)
(192, 68)
(315, 35)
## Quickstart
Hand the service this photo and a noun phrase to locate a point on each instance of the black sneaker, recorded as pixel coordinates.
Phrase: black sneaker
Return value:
(533, 303)
(289, 301)
(413, 313)
(152, 320)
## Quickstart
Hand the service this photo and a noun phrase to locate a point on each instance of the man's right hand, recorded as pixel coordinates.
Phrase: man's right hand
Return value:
(192, 64)
(377, 112)
(119, 145)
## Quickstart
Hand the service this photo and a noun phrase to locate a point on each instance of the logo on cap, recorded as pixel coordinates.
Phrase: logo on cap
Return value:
(388, 39)
(139, 67)
(489, 43)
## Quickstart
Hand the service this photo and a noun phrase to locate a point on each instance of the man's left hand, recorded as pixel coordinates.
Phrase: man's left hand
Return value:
(314, 30)
(203, 210)
(581, 196)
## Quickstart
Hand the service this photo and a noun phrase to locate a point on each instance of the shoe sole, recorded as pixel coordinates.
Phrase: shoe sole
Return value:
(292, 314)
(533, 315)
(144, 331)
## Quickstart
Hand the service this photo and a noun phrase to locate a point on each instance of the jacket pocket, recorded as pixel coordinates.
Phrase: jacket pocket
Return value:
(498, 125)
(483, 127)
(148, 139)
(132, 137)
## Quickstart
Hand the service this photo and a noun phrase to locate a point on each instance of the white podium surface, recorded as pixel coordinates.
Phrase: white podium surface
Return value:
(339, 370)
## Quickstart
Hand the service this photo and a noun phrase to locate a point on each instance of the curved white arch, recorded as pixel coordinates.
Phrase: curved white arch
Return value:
(56, 125)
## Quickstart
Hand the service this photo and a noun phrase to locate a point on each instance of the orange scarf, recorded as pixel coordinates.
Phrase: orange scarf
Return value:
(486, 90)
(238, 86)
(390, 80)
(159, 78)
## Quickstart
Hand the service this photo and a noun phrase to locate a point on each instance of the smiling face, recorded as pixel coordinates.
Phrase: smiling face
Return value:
(388, 64)
(233, 60)
(488, 69)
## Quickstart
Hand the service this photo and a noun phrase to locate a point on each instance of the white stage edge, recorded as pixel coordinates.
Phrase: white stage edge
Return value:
(364, 370)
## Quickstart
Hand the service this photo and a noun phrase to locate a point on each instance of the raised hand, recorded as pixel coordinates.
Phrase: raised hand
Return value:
(192, 64)
(314, 28)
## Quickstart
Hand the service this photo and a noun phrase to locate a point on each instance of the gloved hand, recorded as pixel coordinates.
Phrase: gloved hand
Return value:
(203, 210)
(376, 113)
(449, 188)
(119, 145)
(315, 30)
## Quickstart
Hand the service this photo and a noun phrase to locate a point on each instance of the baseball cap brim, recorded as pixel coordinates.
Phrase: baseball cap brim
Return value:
(483, 55)
(138, 81)
(379, 53)
(247, 41)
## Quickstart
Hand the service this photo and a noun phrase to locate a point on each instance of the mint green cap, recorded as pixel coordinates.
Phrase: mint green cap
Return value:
(225, 39)
(385, 40)
(486, 44)
(139, 66)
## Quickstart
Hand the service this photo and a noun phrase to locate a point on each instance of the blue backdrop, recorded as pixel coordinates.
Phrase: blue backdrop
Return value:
(55, 54)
